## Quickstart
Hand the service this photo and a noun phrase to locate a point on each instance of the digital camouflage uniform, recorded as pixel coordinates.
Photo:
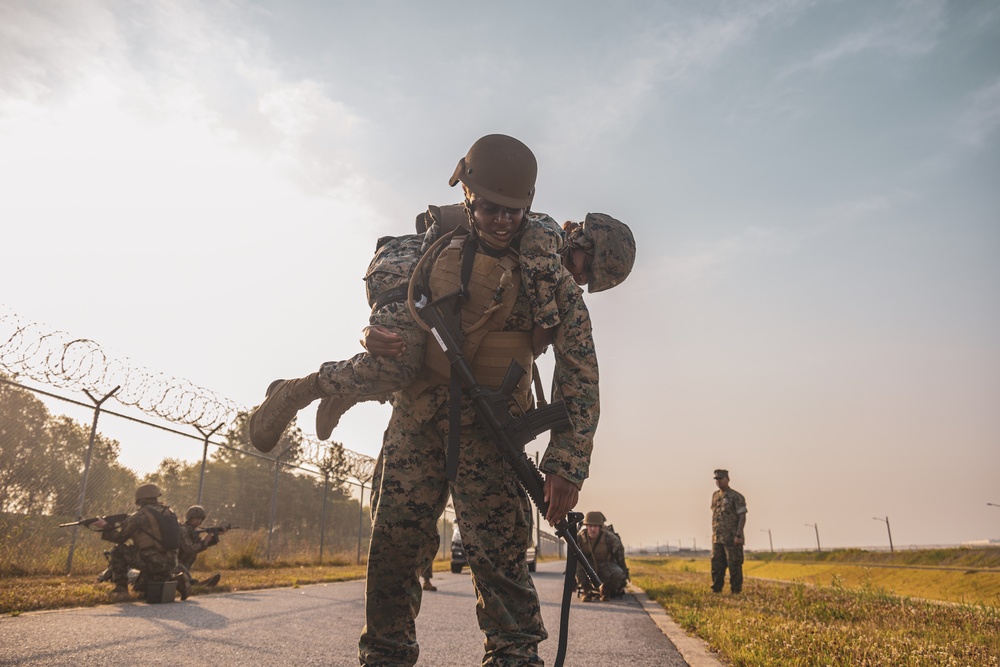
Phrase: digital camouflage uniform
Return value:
(147, 551)
(727, 506)
(492, 519)
(366, 377)
(192, 545)
(607, 556)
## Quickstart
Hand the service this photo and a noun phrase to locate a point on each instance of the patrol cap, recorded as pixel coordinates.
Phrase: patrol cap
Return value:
(721, 474)
(147, 492)
(195, 512)
(594, 519)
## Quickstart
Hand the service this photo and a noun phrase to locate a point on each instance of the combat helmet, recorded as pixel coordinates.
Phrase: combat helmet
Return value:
(594, 519)
(499, 168)
(195, 512)
(147, 492)
(614, 251)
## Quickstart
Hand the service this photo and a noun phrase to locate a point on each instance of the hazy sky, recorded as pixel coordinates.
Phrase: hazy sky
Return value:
(813, 187)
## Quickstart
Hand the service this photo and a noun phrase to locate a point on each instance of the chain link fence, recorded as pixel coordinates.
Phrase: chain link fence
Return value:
(305, 502)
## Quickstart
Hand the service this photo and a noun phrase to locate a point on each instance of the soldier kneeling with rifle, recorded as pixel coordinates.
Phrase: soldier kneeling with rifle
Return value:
(154, 534)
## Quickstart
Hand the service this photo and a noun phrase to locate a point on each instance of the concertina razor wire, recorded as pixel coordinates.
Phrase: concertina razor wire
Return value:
(55, 358)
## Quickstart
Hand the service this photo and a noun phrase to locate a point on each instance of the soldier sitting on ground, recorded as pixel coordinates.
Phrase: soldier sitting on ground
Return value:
(604, 550)
(146, 541)
(193, 541)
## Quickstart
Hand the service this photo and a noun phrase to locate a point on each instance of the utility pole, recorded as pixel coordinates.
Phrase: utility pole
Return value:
(816, 526)
(769, 540)
(886, 520)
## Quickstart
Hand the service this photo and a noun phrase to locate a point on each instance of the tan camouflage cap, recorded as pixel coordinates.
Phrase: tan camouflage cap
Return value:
(721, 474)
(614, 251)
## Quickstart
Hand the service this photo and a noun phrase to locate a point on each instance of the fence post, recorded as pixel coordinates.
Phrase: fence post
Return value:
(86, 472)
(274, 503)
(204, 458)
(322, 516)
(361, 517)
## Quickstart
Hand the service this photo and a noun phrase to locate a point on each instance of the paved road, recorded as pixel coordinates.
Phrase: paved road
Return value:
(318, 625)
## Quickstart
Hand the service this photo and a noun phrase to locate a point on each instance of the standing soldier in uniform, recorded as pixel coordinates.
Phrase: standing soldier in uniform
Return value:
(193, 544)
(729, 515)
(499, 176)
(154, 535)
(603, 548)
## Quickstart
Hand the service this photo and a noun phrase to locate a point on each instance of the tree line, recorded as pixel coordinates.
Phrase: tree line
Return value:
(42, 460)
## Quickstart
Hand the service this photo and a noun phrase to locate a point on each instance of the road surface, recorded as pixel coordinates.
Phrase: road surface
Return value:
(319, 625)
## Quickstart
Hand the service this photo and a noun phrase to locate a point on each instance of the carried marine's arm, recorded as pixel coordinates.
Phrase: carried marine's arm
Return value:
(509, 433)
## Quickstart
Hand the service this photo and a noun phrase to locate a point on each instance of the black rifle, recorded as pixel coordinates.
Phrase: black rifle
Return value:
(510, 434)
(113, 519)
(215, 531)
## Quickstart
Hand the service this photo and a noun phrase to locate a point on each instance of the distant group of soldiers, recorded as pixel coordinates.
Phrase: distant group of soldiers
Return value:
(603, 547)
(152, 545)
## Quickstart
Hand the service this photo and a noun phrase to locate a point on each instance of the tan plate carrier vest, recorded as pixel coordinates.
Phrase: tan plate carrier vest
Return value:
(154, 538)
(493, 288)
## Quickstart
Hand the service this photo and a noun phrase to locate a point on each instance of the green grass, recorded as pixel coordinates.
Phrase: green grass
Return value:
(774, 624)
(968, 576)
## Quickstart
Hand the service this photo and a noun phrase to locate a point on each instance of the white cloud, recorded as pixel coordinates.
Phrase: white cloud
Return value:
(756, 243)
(910, 29)
(668, 56)
(981, 117)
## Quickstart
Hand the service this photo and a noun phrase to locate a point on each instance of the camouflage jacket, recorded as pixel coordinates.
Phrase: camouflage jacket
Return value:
(139, 527)
(607, 548)
(575, 377)
(191, 544)
(727, 507)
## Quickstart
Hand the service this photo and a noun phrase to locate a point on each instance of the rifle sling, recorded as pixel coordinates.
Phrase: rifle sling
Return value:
(455, 387)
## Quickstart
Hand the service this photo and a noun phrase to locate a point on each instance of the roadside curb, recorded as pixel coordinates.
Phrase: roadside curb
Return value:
(694, 651)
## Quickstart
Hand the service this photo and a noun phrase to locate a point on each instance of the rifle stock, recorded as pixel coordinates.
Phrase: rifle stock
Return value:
(509, 433)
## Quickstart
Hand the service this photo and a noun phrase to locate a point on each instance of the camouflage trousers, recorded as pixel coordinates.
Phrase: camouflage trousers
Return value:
(610, 574)
(727, 556)
(411, 495)
(365, 376)
(153, 565)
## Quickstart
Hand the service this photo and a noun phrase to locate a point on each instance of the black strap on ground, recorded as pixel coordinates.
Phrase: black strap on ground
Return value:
(569, 587)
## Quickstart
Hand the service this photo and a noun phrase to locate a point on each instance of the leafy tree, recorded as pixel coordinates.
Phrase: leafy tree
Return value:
(23, 464)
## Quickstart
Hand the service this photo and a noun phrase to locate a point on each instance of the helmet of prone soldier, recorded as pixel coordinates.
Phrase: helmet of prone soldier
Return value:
(614, 251)
(594, 519)
(195, 512)
(147, 492)
(500, 169)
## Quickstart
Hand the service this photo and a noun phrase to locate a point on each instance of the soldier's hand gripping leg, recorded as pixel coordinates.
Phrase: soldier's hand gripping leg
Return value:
(284, 399)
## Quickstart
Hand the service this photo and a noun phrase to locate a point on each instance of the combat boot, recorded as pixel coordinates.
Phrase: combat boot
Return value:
(284, 398)
(213, 580)
(328, 415)
(183, 584)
